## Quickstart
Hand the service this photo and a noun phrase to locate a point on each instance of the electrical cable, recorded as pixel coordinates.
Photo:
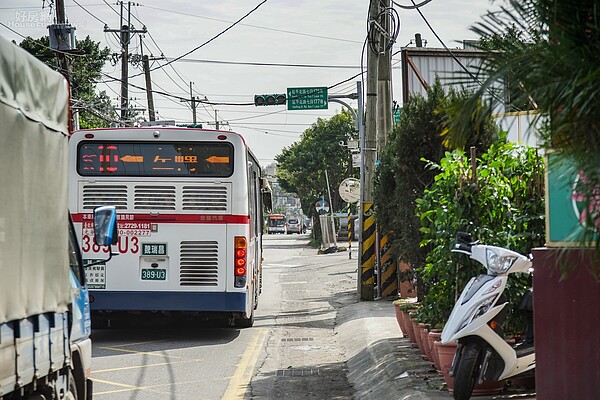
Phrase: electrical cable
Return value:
(115, 11)
(502, 101)
(376, 26)
(262, 64)
(414, 6)
(211, 39)
(92, 15)
(254, 26)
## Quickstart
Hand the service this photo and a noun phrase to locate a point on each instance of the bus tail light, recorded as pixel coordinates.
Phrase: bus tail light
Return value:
(240, 260)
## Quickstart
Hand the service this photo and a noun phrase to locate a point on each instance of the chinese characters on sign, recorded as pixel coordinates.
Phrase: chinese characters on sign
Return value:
(95, 275)
(309, 98)
(154, 249)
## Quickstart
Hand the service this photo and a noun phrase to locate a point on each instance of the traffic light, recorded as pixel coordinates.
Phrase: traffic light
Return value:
(269, 99)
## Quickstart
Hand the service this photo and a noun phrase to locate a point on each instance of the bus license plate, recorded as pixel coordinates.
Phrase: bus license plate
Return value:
(154, 274)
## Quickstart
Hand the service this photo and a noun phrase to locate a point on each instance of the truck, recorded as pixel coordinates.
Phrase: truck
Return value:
(45, 346)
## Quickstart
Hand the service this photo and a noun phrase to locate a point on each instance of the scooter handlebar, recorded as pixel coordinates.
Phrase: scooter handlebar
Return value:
(462, 248)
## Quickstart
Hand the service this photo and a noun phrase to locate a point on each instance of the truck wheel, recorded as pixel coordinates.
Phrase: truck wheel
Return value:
(72, 394)
(467, 371)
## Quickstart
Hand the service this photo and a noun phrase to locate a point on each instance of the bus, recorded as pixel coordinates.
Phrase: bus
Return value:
(276, 223)
(190, 205)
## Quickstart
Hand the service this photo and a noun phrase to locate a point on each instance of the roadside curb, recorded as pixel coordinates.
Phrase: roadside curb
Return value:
(374, 351)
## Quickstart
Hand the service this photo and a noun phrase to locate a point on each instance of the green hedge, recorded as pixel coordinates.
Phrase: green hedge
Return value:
(502, 205)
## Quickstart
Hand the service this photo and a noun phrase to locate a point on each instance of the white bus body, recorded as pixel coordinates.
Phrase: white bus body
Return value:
(190, 219)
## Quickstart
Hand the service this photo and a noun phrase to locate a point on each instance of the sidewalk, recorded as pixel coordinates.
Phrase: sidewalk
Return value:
(382, 364)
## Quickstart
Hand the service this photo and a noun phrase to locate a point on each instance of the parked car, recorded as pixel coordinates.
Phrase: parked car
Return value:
(293, 225)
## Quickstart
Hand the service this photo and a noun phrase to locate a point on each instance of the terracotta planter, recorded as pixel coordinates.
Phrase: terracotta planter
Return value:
(526, 382)
(488, 388)
(423, 341)
(410, 329)
(432, 337)
(417, 333)
(400, 318)
(445, 356)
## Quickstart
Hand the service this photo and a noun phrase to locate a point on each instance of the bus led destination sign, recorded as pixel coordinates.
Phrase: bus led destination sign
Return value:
(307, 98)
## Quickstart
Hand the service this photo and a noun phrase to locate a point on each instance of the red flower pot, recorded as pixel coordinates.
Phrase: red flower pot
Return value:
(432, 337)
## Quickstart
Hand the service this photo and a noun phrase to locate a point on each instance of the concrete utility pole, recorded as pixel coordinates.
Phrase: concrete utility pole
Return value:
(150, 98)
(384, 87)
(125, 34)
(368, 251)
(384, 117)
(63, 31)
(125, 37)
(63, 61)
(193, 104)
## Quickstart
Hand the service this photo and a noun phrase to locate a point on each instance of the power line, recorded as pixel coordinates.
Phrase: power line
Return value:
(502, 101)
(256, 26)
(92, 15)
(414, 6)
(261, 64)
(213, 38)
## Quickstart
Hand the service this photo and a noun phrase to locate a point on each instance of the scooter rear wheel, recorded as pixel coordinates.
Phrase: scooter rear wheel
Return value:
(467, 371)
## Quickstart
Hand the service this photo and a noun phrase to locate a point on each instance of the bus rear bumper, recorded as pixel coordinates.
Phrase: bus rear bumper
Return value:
(167, 301)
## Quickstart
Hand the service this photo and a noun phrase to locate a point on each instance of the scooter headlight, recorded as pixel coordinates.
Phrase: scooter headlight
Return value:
(499, 264)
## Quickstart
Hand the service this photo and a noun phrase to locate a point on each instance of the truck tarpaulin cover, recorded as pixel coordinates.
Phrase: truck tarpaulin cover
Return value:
(34, 272)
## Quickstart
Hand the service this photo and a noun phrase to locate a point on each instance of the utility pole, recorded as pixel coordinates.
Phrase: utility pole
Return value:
(60, 30)
(368, 250)
(384, 99)
(62, 57)
(146, 65)
(149, 96)
(125, 37)
(193, 104)
(125, 62)
(216, 121)
(384, 126)
(193, 99)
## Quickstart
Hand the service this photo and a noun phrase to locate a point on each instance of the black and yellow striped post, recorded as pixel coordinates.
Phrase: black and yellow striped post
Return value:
(389, 276)
(349, 232)
(367, 260)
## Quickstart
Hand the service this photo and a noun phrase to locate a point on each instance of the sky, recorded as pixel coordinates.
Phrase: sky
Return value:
(319, 43)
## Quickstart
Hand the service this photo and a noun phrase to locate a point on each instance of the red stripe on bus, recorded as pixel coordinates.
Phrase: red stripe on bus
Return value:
(173, 218)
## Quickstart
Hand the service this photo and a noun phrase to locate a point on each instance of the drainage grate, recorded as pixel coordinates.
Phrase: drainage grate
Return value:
(298, 372)
(304, 339)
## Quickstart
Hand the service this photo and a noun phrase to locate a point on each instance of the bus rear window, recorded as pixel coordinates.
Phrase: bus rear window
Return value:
(194, 159)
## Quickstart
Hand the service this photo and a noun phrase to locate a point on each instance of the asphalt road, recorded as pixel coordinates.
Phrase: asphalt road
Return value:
(291, 352)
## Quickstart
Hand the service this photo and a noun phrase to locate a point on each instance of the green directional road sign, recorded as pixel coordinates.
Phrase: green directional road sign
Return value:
(307, 98)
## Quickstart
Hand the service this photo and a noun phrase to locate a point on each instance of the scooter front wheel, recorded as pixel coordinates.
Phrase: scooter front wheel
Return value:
(467, 371)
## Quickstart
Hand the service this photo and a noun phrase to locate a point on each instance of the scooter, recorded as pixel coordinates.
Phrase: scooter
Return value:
(476, 321)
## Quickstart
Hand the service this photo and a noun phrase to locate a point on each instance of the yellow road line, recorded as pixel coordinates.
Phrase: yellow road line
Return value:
(139, 343)
(146, 366)
(146, 353)
(129, 388)
(238, 383)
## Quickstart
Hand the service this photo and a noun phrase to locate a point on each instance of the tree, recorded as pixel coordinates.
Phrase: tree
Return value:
(301, 167)
(403, 177)
(96, 108)
(549, 49)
